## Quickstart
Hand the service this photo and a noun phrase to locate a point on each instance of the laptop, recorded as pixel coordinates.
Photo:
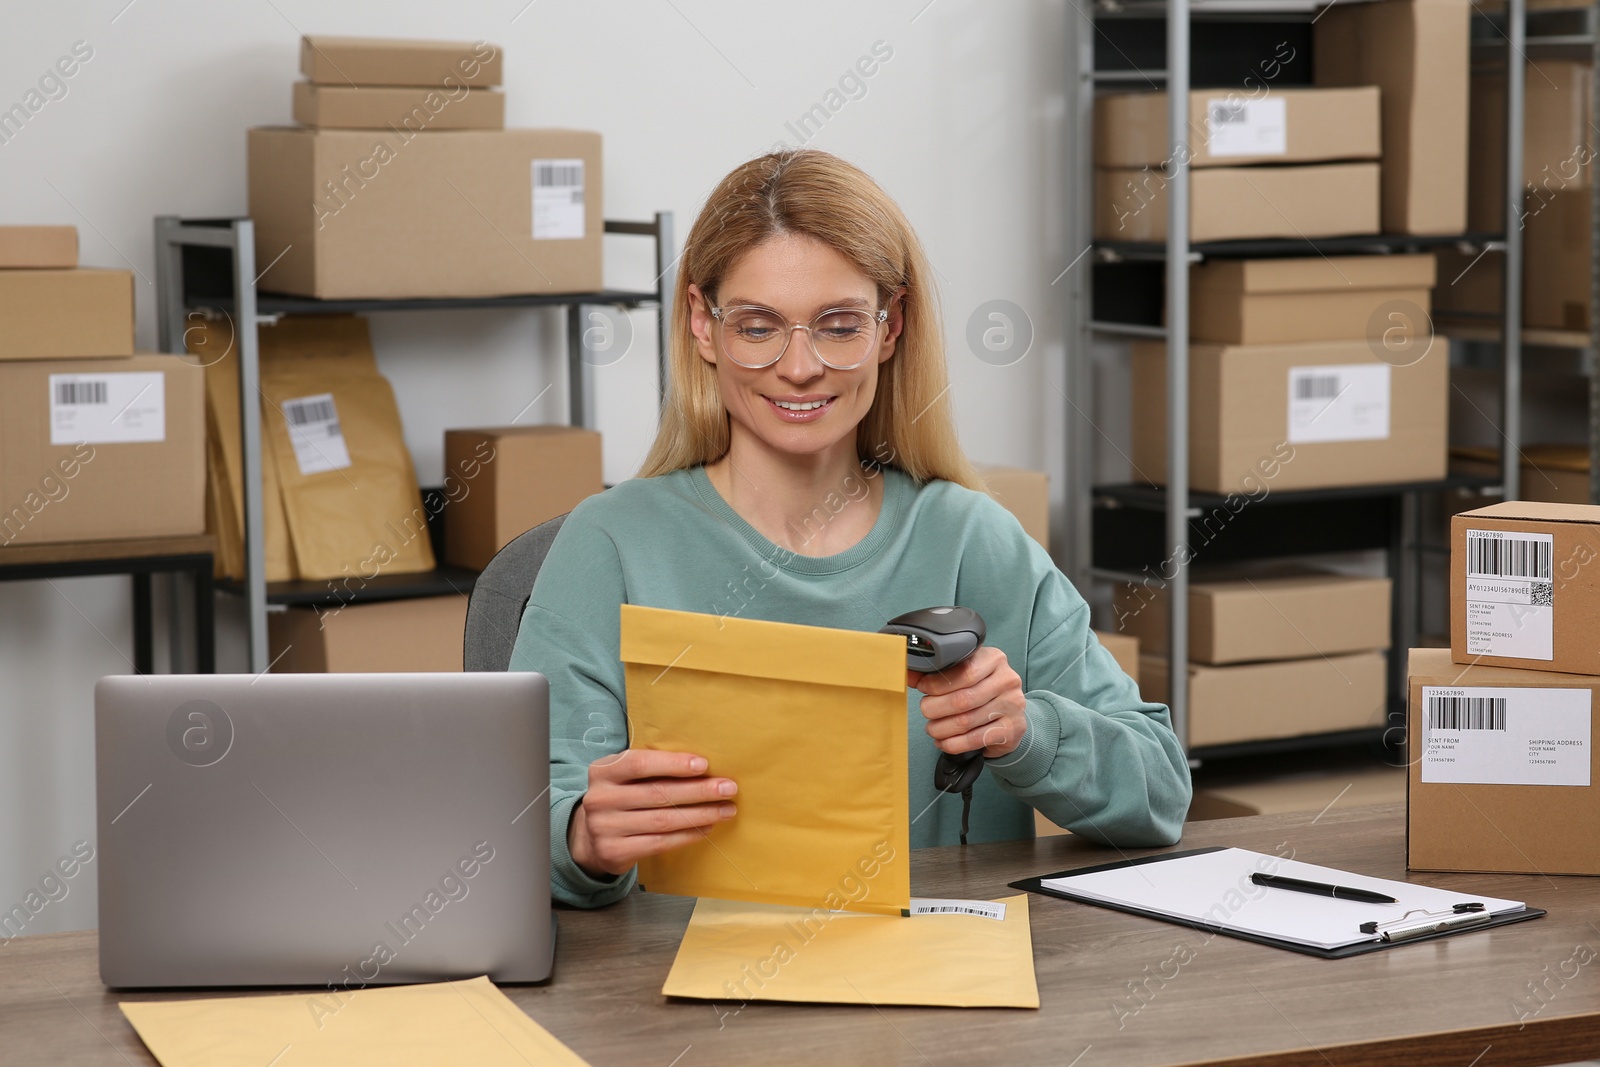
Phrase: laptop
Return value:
(330, 830)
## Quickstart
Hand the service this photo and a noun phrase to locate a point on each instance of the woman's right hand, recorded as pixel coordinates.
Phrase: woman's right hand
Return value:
(642, 802)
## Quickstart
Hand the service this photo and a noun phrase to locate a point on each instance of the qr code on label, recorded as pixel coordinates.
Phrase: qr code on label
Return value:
(1542, 594)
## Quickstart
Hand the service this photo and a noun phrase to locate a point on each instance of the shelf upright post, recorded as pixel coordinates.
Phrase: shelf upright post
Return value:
(666, 286)
(1593, 26)
(1178, 366)
(169, 338)
(255, 538)
(580, 372)
(1077, 542)
(1511, 385)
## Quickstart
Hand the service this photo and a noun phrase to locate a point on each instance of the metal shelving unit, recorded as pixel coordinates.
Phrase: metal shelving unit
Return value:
(1111, 530)
(210, 264)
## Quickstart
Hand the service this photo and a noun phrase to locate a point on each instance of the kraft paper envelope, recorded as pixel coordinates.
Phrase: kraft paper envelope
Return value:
(468, 1022)
(742, 952)
(811, 724)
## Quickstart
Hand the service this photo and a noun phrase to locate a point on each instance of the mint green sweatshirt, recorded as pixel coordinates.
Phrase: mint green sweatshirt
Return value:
(1095, 759)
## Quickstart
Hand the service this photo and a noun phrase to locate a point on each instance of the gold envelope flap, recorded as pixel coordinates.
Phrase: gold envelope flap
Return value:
(733, 953)
(398, 1026)
(811, 724)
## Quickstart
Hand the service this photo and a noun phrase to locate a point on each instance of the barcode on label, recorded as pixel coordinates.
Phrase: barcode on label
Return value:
(309, 410)
(1223, 114)
(950, 909)
(81, 393)
(552, 173)
(1316, 387)
(1466, 713)
(1508, 557)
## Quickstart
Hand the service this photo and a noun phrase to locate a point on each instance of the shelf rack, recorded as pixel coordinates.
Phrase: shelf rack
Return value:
(210, 264)
(1109, 528)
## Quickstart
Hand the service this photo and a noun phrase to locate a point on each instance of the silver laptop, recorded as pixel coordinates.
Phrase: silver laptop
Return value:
(331, 830)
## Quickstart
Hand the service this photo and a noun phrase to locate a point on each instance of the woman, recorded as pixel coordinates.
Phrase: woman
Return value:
(807, 471)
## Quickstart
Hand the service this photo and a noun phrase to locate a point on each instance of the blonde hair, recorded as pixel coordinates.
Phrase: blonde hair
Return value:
(817, 195)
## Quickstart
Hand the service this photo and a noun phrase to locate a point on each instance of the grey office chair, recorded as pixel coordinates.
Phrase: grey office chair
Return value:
(494, 611)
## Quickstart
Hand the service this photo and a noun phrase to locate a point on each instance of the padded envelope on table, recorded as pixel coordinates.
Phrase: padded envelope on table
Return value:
(811, 723)
(743, 952)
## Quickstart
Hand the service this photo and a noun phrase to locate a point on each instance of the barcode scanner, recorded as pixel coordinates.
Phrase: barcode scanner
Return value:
(937, 638)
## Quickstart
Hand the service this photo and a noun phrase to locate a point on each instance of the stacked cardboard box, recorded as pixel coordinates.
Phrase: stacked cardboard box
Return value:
(1239, 187)
(97, 442)
(403, 183)
(1307, 373)
(1272, 655)
(1501, 739)
(1418, 53)
(1552, 473)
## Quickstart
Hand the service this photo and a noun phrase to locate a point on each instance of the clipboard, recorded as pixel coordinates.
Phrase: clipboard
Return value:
(1375, 943)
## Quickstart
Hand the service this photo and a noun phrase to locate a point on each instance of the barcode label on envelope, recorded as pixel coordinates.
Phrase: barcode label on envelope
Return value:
(315, 433)
(987, 909)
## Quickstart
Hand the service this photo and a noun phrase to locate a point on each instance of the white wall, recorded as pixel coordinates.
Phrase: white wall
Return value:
(962, 125)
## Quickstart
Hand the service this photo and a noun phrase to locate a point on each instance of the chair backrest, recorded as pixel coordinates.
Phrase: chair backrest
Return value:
(494, 611)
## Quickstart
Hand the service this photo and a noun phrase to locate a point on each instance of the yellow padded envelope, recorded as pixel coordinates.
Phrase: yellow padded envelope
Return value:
(742, 952)
(435, 1025)
(811, 723)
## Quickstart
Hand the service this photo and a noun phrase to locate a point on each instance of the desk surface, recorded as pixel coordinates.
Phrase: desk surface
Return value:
(1452, 1001)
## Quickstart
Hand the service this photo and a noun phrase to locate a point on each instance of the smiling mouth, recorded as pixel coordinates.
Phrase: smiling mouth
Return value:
(809, 405)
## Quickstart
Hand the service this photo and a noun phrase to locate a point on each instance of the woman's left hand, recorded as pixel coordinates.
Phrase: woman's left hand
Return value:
(978, 703)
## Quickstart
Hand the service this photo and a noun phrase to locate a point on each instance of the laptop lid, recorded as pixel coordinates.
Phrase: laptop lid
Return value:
(333, 830)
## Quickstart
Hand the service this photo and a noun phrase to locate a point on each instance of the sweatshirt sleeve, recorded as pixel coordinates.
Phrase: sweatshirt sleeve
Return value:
(1096, 759)
(570, 634)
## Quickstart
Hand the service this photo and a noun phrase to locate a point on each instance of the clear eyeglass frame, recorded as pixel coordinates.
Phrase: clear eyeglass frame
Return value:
(879, 317)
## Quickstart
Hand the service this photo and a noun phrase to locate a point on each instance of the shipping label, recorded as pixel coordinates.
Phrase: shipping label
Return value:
(315, 433)
(1246, 127)
(1490, 736)
(111, 408)
(1510, 594)
(1346, 402)
(557, 199)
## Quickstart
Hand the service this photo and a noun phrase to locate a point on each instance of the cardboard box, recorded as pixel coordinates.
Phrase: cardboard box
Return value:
(331, 107)
(1024, 493)
(1521, 798)
(1242, 619)
(390, 61)
(1525, 586)
(1416, 52)
(1557, 474)
(101, 449)
(1555, 279)
(1228, 203)
(426, 634)
(1555, 137)
(1228, 128)
(1272, 417)
(66, 314)
(1471, 283)
(453, 213)
(38, 247)
(504, 481)
(1280, 301)
(1287, 698)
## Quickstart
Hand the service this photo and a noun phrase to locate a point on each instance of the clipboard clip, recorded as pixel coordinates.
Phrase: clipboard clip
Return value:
(1431, 922)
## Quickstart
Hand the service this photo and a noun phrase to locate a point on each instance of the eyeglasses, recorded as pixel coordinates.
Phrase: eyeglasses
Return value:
(756, 337)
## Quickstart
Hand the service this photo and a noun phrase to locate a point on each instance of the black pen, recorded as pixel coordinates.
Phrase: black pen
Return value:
(1321, 889)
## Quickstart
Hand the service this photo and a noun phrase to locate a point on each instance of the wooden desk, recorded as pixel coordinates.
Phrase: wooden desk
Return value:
(1445, 1002)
